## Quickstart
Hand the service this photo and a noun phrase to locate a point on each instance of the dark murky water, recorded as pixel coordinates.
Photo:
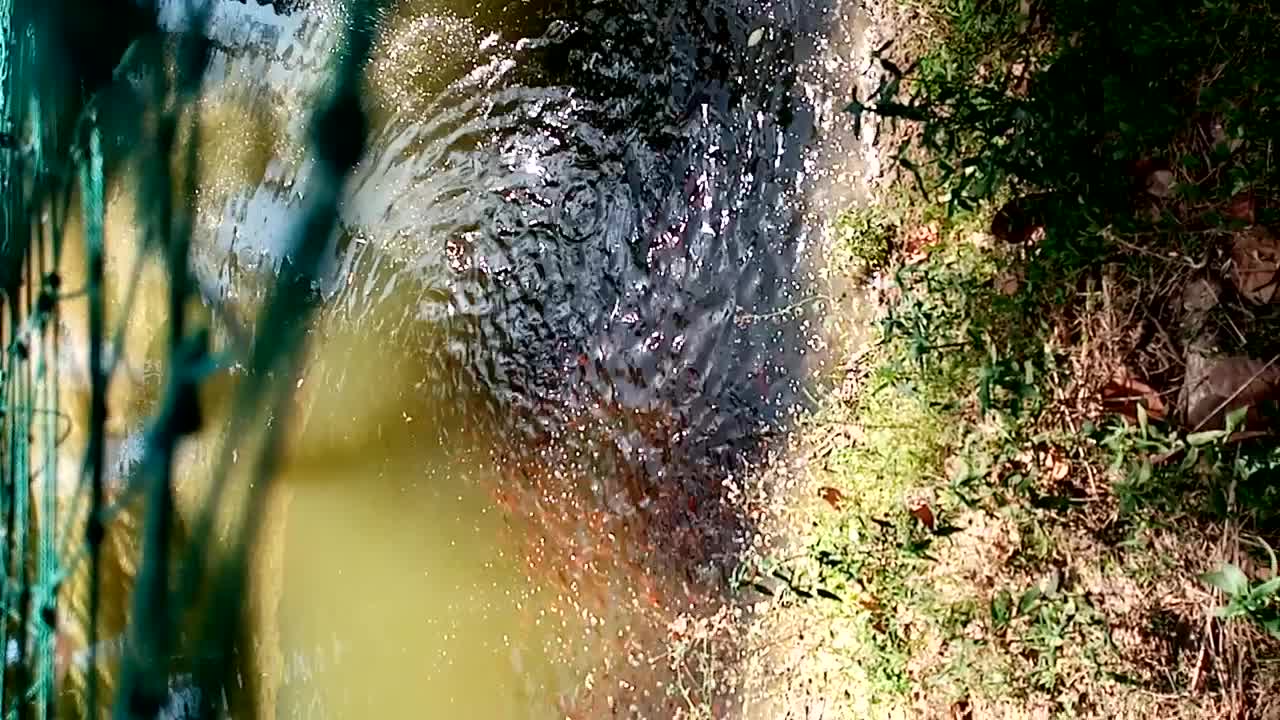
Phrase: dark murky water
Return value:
(569, 300)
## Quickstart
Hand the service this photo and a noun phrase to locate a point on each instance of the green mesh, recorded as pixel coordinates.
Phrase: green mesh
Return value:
(66, 523)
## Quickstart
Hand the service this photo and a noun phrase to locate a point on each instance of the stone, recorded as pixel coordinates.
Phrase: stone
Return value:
(1216, 387)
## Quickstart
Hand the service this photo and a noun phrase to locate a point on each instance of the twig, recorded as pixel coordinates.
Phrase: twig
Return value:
(1202, 659)
(1175, 259)
(749, 318)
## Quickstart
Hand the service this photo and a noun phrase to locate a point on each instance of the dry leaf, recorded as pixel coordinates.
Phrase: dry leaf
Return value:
(961, 710)
(922, 512)
(1055, 464)
(64, 652)
(1255, 261)
(1009, 282)
(1123, 395)
(836, 438)
(833, 496)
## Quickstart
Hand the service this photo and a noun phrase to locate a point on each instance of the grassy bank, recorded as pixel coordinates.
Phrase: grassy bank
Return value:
(1046, 486)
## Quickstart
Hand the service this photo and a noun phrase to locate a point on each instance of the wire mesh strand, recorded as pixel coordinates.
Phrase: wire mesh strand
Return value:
(54, 534)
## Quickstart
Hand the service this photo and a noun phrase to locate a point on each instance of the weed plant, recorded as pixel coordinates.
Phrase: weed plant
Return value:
(992, 541)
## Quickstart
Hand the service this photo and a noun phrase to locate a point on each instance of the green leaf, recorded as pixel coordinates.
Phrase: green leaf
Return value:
(1229, 579)
(1230, 611)
(1028, 600)
(1192, 457)
(1142, 421)
(984, 391)
(1236, 418)
(1143, 474)
(888, 91)
(915, 173)
(856, 109)
(825, 593)
(1000, 609)
(900, 110)
(1206, 437)
(1265, 591)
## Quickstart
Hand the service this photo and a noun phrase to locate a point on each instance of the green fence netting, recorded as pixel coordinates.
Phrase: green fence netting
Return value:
(68, 521)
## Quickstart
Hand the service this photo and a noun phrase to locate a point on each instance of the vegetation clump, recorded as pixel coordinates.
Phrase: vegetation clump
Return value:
(862, 240)
(1047, 486)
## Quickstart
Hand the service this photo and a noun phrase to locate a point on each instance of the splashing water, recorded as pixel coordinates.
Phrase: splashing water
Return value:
(567, 304)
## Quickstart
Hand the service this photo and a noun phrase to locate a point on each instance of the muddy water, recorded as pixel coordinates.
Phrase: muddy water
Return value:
(568, 300)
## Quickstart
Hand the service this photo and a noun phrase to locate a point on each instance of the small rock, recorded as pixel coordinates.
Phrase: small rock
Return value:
(1255, 261)
(981, 240)
(1215, 388)
(1200, 295)
(1160, 183)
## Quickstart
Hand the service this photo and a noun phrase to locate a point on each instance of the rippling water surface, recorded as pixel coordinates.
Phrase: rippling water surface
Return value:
(568, 301)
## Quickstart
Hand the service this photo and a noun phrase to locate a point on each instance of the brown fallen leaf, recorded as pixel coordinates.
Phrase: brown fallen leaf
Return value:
(922, 512)
(1124, 393)
(918, 241)
(961, 710)
(1242, 207)
(1255, 262)
(1008, 282)
(833, 496)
